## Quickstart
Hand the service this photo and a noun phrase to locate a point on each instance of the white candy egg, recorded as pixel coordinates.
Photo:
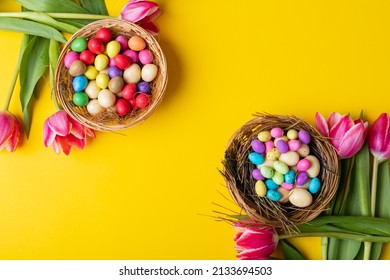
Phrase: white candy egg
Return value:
(132, 74)
(92, 90)
(94, 107)
(149, 72)
(106, 98)
(300, 197)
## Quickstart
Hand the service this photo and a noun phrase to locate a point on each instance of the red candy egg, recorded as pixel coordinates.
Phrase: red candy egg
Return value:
(142, 100)
(96, 46)
(133, 104)
(104, 34)
(123, 107)
(122, 61)
(87, 57)
(129, 91)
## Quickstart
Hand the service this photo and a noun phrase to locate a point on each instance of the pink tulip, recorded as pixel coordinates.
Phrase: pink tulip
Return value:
(254, 241)
(9, 131)
(62, 132)
(346, 135)
(379, 137)
(142, 13)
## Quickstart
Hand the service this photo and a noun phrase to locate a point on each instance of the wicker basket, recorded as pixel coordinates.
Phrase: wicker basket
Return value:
(109, 120)
(237, 172)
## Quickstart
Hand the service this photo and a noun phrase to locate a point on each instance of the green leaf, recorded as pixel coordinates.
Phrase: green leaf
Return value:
(95, 6)
(31, 27)
(76, 22)
(290, 252)
(54, 53)
(343, 188)
(33, 65)
(382, 203)
(362, 173)
(50, 6)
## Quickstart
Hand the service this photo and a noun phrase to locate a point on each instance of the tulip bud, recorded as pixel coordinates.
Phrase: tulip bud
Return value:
(379, 137)
(9, 131)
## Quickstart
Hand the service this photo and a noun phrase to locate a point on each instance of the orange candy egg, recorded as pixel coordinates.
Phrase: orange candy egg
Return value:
(136, 43)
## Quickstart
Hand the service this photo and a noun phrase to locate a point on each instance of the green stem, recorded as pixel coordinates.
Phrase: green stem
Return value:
(11, 88)
(324, 248)
(374, 185)
(340, 235)
(78, 16)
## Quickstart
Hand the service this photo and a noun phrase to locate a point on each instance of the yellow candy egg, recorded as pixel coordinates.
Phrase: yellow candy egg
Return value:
(264, 136)
(260, 188)
(101, 62)
(113, 48)
(91, 72)
(292, 134)
(273, 154)
(102, 80)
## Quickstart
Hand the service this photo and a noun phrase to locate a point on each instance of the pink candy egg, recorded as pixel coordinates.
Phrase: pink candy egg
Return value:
(269, 145)
(303, 165)
(287, 186)
(294, 145)
(132, 54)
(277, 132)
(70, 57)
(123, 41)
(145, 56)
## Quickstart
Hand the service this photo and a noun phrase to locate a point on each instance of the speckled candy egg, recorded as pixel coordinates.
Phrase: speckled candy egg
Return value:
(271, 185)
(264, 136)
(281, 167)
(274, 195)
(77, 68)
(273, 154)
(267, 172)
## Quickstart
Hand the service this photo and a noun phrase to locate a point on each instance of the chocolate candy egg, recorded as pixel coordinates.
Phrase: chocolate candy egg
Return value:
(284, 138)
(314, 185)
(267, 172)
(79, 83)
(106, 98)
(264, 136)
(136, 43)
(132, 75)
(123, 107)
(122, 61)
(301, 178)
(282, 146)
(304, 136)
(300, 197)
(260, 188)
(276, 132)
(149, 72)
(104, 34)
(271, 185)
(289, 158)
(94, 107)
(256, 174)
(274, 195)
(256, 158)
(70, 57)
(281, 167)
(258, 146)
(116, 84)
(314, 169)
(142, 100)
(77, 68)
(87, 57)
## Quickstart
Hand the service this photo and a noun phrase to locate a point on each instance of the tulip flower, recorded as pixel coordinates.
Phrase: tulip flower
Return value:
(379, 138)
(9, 131)
(254, 241)
(346, 135)
(62, 132)
(142, 13)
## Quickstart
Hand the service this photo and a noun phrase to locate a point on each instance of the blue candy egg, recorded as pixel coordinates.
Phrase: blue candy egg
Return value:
(314, 185)
(79, 83)
(273, 195)
(256, 158)
(145, 87)
(271, 185)
(289, 177)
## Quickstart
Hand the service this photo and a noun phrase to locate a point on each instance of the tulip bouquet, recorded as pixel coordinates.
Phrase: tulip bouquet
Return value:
(357, 220)
(43, 23)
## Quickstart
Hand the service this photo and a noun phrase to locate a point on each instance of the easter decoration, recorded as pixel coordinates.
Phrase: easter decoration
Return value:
(110, 75)
(280, 170)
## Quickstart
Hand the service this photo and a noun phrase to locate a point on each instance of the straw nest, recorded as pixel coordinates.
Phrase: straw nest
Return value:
(109, 120)
(237, 172)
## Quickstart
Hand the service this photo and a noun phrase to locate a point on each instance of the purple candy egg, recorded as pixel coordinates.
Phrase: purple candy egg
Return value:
(70, 57)
(132, 54)
(114, 71)
(282, 146)
(145, 87)
(304, 136)
(256, 174)
(301, 178)
(258, 146)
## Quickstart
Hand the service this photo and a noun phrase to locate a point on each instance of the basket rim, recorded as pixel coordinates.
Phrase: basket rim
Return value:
(88, 31)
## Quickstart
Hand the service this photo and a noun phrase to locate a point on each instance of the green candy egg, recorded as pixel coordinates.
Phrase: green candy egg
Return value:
(79, 44)
(80, 99)
(278, 178)
(281, 167)
(267, 172)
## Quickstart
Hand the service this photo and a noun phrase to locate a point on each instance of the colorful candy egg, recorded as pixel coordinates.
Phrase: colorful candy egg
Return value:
(300, 197)
(260, 188)
(271, 185)
(256, 174)
(281, 167)
(314, 185)
(274, 195)
(256, 158)
(264, 136)
(258, 146)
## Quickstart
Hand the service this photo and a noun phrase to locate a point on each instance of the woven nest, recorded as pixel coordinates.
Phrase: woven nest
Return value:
(109, 120)
(237, 172)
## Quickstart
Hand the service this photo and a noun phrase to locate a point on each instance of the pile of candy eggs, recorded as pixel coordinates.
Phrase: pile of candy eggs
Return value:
(111, 73)
(285, 170)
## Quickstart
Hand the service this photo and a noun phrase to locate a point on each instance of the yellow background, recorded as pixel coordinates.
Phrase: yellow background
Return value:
(148, 193)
